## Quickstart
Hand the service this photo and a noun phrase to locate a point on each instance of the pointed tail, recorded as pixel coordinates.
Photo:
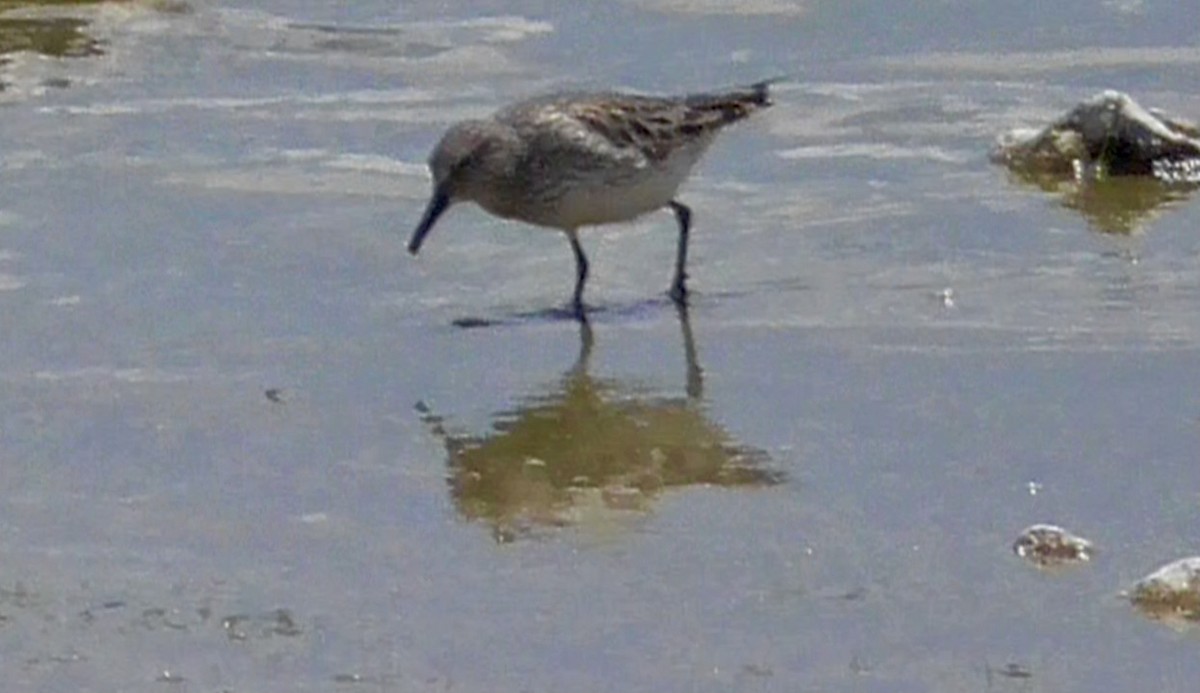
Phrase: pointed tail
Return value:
(733, 105)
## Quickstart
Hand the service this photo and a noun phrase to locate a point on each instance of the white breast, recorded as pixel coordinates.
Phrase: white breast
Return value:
(621, 195)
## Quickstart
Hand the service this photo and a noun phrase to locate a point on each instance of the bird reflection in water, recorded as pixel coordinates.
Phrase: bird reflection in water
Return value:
(592, 448)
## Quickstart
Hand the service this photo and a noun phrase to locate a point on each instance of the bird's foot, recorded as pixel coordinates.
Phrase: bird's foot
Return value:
(578, 310)
(679, 293)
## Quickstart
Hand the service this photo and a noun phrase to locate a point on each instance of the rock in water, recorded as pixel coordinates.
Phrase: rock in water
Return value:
(1107, 135)
(1170, 593)
(1051, 546)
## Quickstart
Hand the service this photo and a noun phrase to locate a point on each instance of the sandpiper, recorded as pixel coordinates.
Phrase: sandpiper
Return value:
(567, 161)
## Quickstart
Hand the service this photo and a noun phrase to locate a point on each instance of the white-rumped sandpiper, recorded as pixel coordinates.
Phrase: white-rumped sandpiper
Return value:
(572, 160)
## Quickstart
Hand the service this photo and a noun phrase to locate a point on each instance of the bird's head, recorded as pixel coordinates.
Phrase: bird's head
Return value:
(461, 165)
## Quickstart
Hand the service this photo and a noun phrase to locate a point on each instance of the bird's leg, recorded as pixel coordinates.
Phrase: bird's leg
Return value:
(581, 273)
(678, 286)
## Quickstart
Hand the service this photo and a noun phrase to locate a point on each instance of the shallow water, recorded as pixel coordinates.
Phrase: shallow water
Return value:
(249, 444)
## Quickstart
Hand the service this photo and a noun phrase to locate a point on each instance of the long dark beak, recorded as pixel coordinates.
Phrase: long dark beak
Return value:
(437, 204)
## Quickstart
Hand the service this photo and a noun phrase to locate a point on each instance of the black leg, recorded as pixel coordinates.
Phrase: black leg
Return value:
(581, 273)
(678, 286)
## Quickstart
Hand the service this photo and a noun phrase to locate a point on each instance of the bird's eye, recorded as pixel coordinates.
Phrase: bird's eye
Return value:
(473, 157)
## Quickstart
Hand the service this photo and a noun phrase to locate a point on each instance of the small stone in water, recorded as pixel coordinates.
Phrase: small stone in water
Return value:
(1050, 545)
